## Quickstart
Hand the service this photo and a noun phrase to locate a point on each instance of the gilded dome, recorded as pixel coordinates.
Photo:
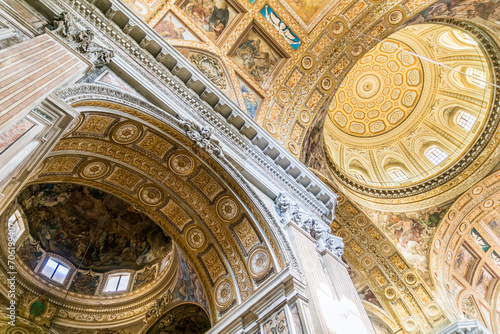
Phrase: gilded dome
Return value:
(380, 91)
(409, 110)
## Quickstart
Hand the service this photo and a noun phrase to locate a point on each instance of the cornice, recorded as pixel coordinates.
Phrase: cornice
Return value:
(188, 90)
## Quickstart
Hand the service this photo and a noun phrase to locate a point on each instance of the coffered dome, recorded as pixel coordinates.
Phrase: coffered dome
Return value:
(381, 91)
(410, 108)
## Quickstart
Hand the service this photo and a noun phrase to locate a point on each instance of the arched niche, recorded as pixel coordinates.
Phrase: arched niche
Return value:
(181, 319)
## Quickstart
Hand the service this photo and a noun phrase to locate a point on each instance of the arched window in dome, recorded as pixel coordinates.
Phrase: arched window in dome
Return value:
(358, 176)
(435, 155)
(117, 282)
(397, 175)
(465, 120)
(476, 77)
(15, 226)
(464, 37)
(55, 270)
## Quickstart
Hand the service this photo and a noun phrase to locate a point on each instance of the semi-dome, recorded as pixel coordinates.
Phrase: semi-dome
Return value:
(70, 229)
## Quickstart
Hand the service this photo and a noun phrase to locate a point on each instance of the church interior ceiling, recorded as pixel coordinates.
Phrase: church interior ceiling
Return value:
(298, 69)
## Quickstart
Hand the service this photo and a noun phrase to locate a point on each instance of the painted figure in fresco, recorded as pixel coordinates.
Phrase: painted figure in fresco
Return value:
(251, 101)
(167, 29)
(145, 277)
(408, 234)
(463, 262)
(219, 19)
(188, 286)
(209, 15)
(369, 296)
(486, 10)
(483, 283)
(85, 283)
(256, 61)
(495, 227)
(96, 228)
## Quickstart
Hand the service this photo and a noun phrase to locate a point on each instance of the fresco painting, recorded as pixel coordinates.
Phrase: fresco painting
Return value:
(484, 283)
(15, 132)
(256, 57)
(182, 319)
(464, 262)
(496, 258)
(483, 9)
(66, 218)
(85, 283)
(188, 286)
(367, 294)
(171, 28)
(479, 240)
(307, 9)
(493, 222)
(280, 26)
(109, 78)
(410, 232)
(213, 16)
(251, 99)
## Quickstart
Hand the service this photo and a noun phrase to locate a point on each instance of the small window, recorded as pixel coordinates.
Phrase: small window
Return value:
(463, 37)
(435, 155)
(397, 175)
(165, 262)
(476, 77)
(358, 176)
(55, 270)
(465, 120)
(118, 282)
(15, 226)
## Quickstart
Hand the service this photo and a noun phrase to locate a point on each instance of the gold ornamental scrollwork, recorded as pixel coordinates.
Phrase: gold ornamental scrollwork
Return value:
(126, 132)
(227, 209)
(224, 293)
(211, 68)
(151, 195)
(196, 238)
(94, 169)
(181, 164)
(259, 262)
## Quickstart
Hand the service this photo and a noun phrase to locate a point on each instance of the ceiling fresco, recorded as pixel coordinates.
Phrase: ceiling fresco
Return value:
(159, 179)
(307, 9)
(67, 218)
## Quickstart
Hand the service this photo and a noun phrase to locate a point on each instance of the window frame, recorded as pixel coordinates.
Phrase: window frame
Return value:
(476, 77)
(358, 176)
(19, 220)
(469, 120)
(429, 154)
(393, 171)
(60, 263)
(121, 274)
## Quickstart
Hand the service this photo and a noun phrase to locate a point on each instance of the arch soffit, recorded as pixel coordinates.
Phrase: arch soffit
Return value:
(235, 255)
(92, 95)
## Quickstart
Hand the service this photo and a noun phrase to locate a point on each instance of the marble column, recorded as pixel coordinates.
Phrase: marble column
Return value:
(334, 305)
